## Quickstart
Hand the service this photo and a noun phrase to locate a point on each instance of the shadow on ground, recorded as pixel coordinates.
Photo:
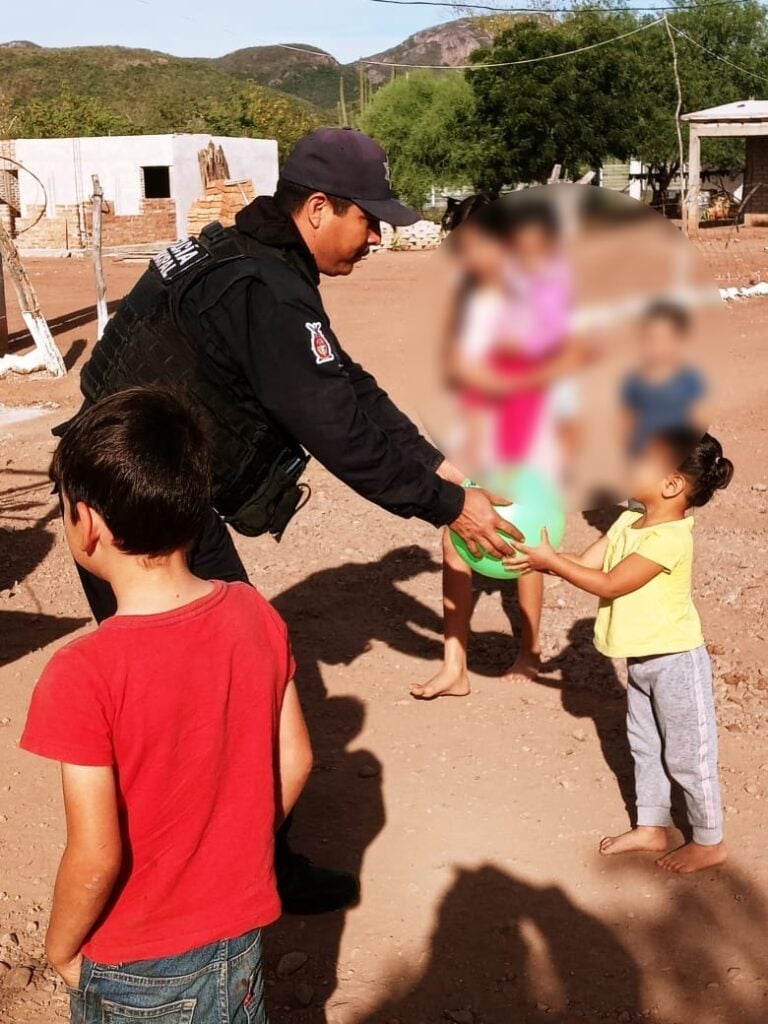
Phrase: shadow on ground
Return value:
(60, 324)
(503, 950)
(26, 515)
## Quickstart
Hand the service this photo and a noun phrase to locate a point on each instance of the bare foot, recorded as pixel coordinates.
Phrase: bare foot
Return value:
(526, 666)
(449, 682)
(643, 838)
(693, 857)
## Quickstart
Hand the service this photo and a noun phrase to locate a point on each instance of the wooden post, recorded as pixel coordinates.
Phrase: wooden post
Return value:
(3, 314)
(694, 179)
(46, 356)
(98, 268)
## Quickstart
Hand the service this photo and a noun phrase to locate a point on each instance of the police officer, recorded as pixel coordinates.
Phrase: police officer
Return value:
(235, 318)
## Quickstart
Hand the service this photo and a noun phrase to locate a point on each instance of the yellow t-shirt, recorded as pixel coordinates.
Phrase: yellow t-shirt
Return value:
(659, 618)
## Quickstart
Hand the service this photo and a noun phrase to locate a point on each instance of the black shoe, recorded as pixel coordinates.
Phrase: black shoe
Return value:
(305, 888)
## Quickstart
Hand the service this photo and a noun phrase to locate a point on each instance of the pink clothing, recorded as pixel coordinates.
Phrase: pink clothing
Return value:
(535, 321)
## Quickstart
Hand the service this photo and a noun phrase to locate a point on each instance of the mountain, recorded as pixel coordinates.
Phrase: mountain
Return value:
(282, 90)
(304, 71)
(450, 43)
(313, 74)
(119, 90)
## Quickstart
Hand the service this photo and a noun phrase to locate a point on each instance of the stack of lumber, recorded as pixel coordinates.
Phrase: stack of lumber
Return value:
(221, 201)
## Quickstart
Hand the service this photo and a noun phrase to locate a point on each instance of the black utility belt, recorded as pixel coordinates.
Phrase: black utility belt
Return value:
(271, 507)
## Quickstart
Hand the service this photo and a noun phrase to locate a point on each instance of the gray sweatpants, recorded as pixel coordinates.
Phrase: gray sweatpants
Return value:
(673, 736)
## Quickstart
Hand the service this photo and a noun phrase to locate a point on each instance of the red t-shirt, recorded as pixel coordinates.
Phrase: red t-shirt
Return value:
(185, 705)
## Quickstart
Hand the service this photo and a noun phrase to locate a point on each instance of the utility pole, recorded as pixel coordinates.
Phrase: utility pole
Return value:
(678, 109)
(98, 267)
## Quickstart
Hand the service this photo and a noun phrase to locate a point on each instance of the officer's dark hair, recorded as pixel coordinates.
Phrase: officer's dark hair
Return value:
(677, 315)
(699, 458)
(290, 198)
(140, 459)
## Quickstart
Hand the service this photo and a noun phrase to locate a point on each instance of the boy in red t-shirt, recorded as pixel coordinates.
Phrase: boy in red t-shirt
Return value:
(180, 736)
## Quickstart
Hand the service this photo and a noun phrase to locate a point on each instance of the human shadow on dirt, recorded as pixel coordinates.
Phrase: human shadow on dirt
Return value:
(590, 688)
(335, 616)
(507, 950)
(25, 541)
(338, 817)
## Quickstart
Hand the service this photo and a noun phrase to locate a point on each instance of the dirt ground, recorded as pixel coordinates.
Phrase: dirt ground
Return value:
(473, 823)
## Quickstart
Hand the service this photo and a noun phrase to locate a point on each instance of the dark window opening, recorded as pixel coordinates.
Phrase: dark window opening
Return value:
(157, 182)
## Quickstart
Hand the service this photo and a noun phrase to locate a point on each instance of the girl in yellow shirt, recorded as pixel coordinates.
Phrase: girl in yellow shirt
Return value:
(641, 571)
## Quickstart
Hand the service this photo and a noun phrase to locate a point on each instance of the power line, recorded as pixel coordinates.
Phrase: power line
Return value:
(723, 60)
(557, 10)
(515, 63)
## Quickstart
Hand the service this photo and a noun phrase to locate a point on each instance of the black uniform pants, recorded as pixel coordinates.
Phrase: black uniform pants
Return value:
(213, 557)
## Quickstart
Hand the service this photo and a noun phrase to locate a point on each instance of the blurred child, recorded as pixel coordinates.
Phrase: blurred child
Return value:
(180, 736)
(535, 329)
(665, 390)
(641, 571)
(510, 325)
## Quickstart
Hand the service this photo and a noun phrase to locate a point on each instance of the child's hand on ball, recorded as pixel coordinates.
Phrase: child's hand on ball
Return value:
(540, 558)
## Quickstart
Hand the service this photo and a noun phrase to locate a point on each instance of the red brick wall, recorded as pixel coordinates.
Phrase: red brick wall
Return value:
(757, 174)
(9, 186)
(155, 223)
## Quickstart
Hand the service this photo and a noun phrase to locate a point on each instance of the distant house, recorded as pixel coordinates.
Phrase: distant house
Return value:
(150, 182)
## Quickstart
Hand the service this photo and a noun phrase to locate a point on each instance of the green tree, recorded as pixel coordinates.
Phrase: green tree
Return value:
(741, 38)
(426, 124)
(569, 110)
(263, 114)
(616, 100)
(70, 114)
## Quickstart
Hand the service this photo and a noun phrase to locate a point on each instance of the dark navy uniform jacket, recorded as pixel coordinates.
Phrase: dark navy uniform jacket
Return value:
(271, 334)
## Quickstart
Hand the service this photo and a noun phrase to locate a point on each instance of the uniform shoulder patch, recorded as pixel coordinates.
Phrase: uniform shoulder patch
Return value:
(321, 347)
(180, 257)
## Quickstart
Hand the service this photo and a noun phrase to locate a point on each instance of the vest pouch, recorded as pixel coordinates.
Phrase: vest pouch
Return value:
(271, 508)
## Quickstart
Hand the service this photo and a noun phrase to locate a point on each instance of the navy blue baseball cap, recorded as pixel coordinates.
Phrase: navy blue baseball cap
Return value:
(346, 163)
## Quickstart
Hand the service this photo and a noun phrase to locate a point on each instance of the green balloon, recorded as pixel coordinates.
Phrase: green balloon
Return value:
(536, 504)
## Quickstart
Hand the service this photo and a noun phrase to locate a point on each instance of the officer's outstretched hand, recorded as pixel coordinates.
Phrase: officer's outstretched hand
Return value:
(479, 522)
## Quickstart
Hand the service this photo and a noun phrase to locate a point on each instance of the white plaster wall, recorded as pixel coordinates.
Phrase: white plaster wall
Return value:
(66, 165)
(247, 158)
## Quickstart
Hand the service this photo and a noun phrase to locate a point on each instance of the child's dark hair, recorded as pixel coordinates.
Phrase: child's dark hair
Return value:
(140, 459)
(701, 461)
(531, 209)
(677, 315)
(503, 218)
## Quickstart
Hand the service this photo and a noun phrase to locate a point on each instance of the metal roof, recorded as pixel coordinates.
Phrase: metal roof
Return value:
(743, 110)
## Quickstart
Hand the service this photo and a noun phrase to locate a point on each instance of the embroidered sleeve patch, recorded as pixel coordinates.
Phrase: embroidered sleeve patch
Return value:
(179, 257)
(321, 347)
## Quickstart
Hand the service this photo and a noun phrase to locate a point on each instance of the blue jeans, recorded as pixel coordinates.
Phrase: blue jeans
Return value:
(217, 984)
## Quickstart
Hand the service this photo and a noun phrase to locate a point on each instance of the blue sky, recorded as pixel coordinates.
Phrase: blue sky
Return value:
(195, 28)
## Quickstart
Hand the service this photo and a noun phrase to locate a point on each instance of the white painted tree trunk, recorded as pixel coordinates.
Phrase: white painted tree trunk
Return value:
(45, 355)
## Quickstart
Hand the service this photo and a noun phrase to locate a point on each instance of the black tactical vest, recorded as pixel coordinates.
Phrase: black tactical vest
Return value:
(256, 465)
